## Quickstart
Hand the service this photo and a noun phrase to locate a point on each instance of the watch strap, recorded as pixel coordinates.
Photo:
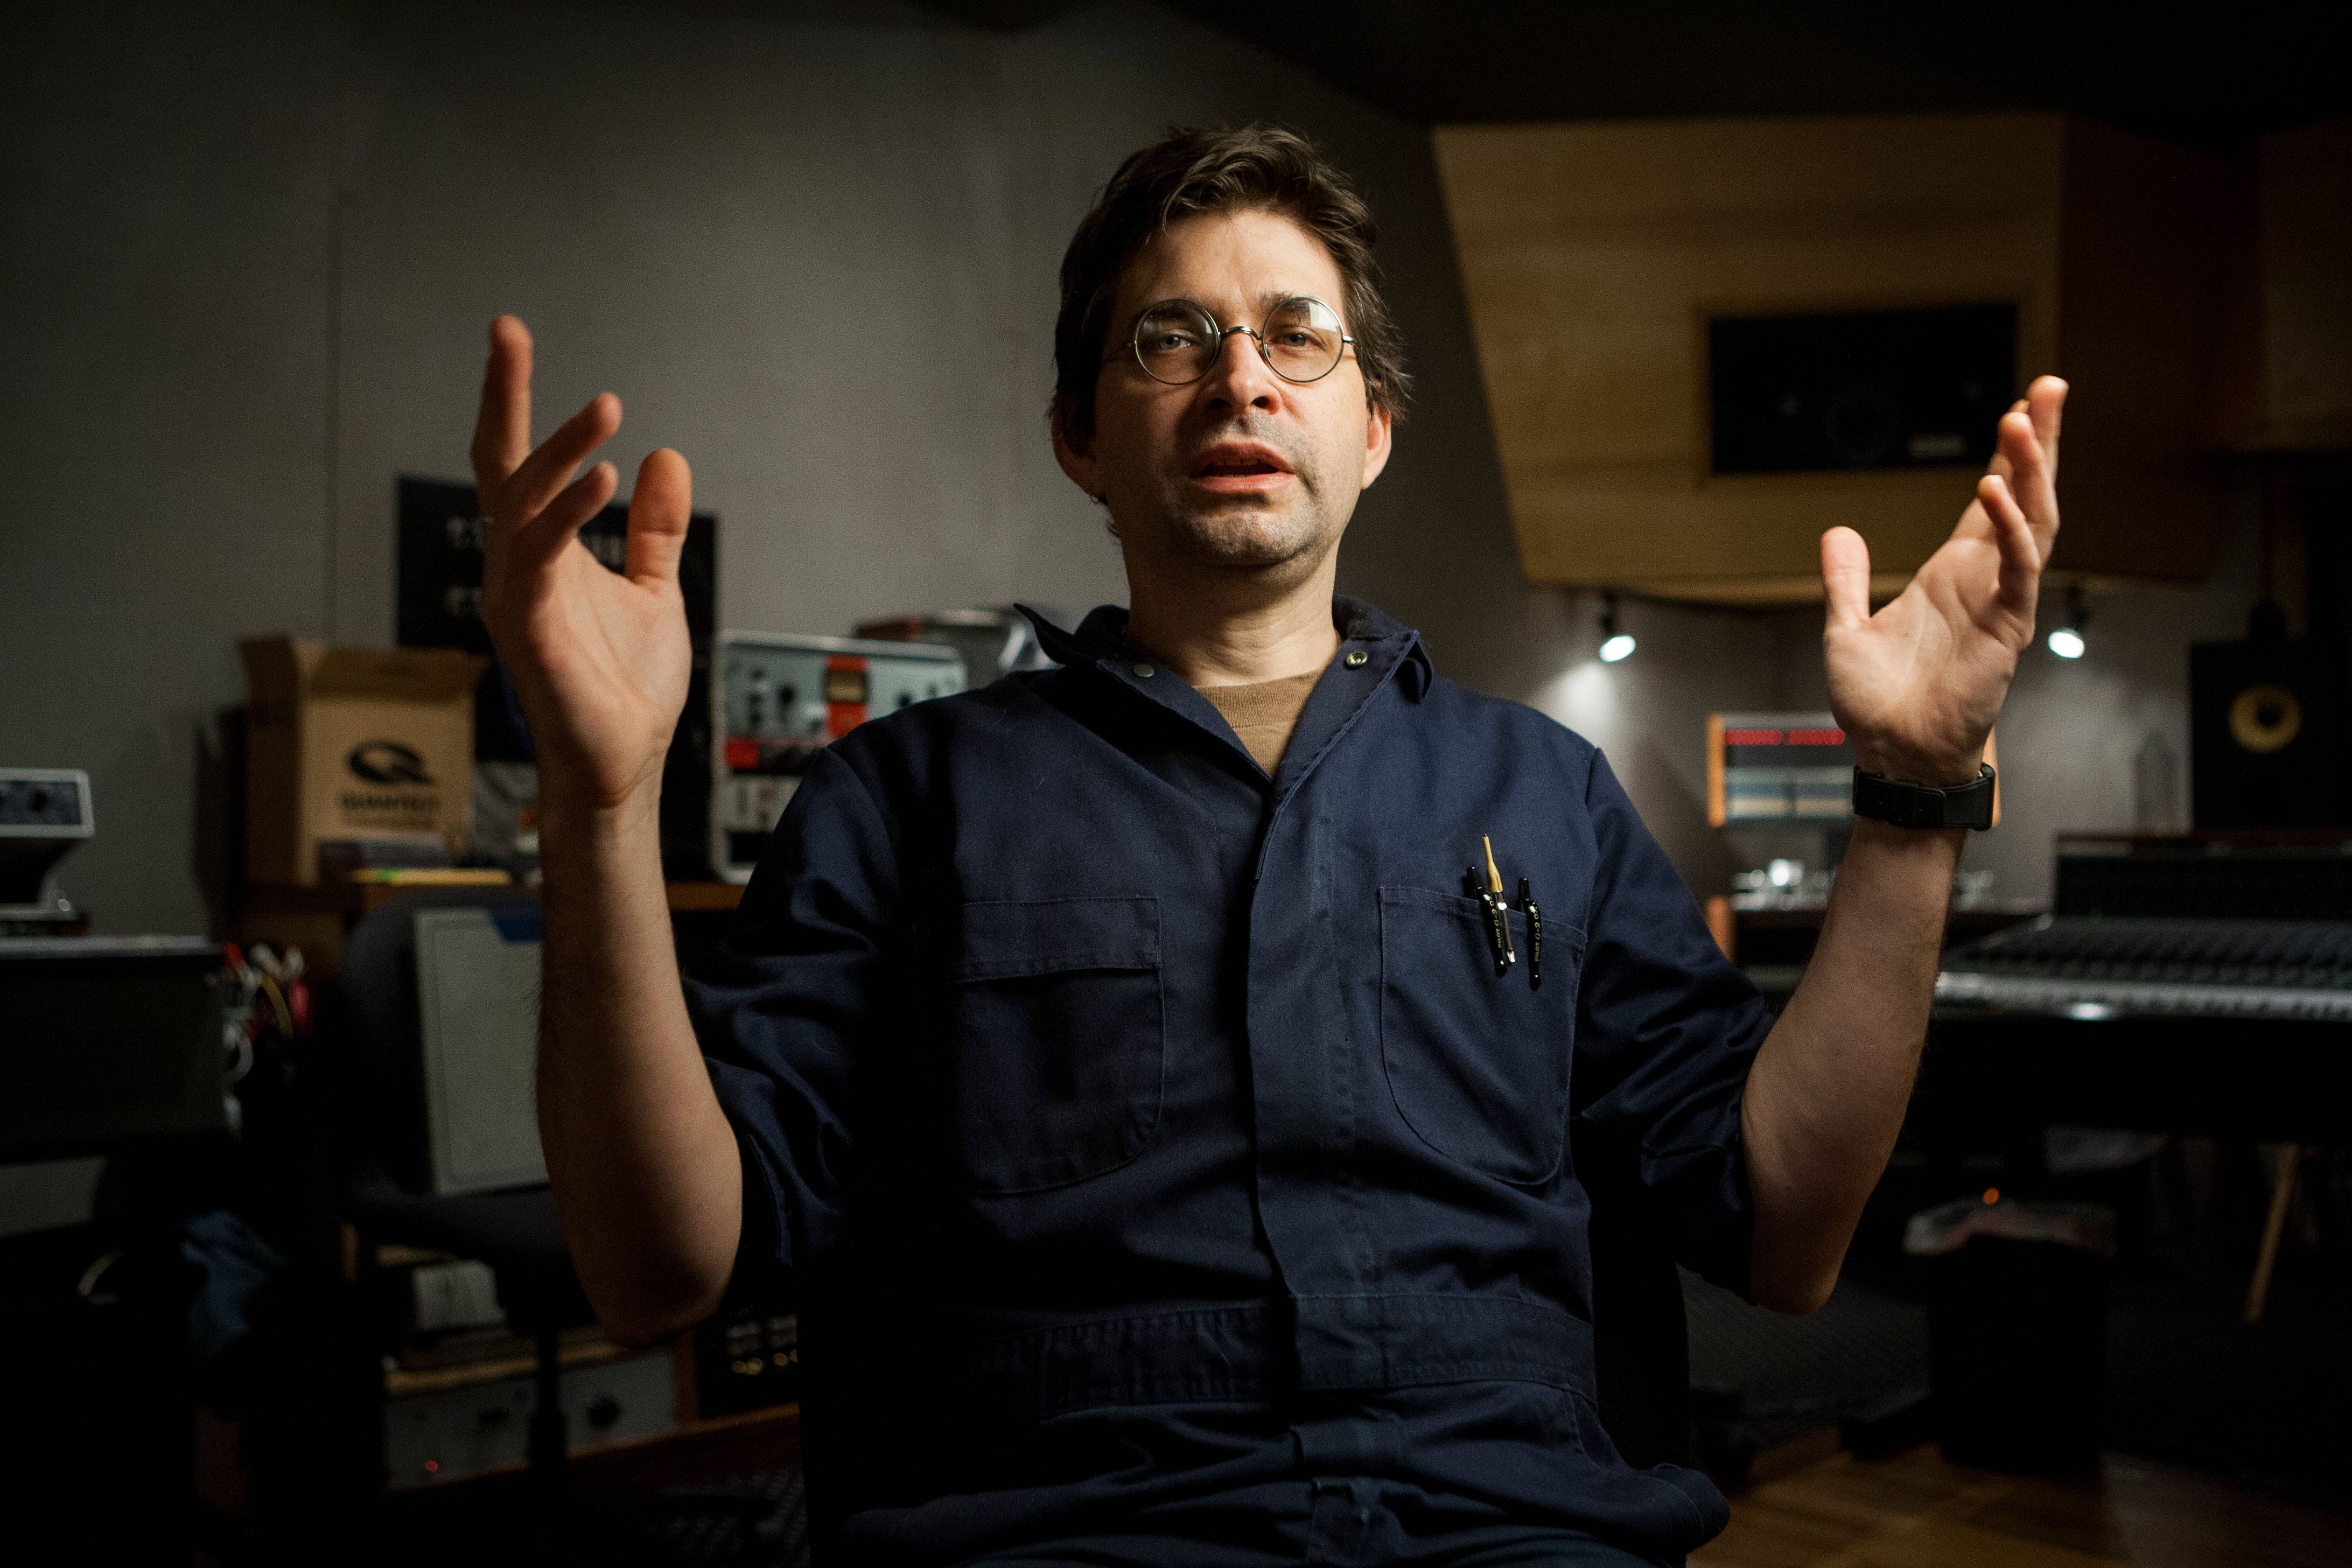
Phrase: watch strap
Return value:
(1925, 806)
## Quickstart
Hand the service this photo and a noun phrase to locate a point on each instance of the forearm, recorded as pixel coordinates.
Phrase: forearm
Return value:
(645, 1166)
(1826, 1095)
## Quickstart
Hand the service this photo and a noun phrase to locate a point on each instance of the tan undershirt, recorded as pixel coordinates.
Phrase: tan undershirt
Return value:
(1264, 713)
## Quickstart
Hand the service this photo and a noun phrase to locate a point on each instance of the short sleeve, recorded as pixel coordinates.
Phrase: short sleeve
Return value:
(785, 1008)
(1666, 1030)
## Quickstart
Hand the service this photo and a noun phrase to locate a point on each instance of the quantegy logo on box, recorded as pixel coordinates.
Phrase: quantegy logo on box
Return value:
(387, 763)
(404, 797)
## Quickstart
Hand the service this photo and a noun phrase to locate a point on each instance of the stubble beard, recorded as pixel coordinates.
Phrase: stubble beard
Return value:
(1249, 532)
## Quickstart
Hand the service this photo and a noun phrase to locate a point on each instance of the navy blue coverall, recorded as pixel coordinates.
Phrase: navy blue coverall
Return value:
(1155, 1145)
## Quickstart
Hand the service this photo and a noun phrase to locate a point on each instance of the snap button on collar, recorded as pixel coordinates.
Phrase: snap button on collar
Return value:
(1358, 659)
(1144, 671)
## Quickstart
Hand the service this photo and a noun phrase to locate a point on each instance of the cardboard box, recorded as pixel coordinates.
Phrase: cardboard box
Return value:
(356, 744)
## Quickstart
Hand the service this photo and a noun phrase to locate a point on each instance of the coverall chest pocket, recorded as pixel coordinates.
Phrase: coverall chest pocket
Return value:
(1478, 1062)
(1056, 1038)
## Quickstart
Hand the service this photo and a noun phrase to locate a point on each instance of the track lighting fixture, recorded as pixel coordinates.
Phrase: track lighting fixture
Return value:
(1614, 643)
(2066, 641)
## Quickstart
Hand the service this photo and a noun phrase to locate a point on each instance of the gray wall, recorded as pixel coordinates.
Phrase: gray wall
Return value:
(247, 258)
(163, 201)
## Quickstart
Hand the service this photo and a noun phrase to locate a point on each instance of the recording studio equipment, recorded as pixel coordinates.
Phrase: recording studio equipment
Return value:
(779, 700)
(993, 642)
(450, 1428)
(2200, 983)
(1778, 767)
(1864, 389)
(45, 812)
(746, 1358)
(2202, 926)
(110, 1040)
(2268, 735)
(2251, 875)
(439, 600)
(2088, 966)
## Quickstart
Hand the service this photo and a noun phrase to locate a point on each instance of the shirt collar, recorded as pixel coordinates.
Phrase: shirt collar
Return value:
(1100, 639)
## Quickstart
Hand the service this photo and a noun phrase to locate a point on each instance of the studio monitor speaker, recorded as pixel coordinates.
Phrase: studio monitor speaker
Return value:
(2268, 723)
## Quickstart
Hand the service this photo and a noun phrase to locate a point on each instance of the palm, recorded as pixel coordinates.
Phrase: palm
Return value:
(1919, 684)
(600, 660)
(612, 656)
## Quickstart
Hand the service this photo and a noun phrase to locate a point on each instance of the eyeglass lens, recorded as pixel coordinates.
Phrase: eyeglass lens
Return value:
(1177, 341)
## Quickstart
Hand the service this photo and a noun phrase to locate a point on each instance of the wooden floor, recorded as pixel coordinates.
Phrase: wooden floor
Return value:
(1914, 1510)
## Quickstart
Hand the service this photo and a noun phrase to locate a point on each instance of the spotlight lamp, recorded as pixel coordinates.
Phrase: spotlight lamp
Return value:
(1614, 643)
(2066, 641)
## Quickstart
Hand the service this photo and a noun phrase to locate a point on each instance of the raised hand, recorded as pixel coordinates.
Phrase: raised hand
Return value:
(599, 658)
(1918, 685)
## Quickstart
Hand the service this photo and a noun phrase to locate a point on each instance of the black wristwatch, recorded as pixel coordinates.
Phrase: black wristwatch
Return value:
(1925, 806)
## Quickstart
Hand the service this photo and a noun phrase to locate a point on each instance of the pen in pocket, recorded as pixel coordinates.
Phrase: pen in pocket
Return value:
(1535, 934)
(1488, 891)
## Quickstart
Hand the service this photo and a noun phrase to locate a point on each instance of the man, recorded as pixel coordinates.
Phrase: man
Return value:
(1179, 1152)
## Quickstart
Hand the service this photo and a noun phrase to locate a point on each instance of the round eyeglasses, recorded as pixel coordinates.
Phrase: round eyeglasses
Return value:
(1177, 342)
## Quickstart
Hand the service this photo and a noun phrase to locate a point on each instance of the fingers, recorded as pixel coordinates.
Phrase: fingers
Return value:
(563, 518)
(2000, 464)
(2045, 400)
(550, 468)
(2020, 551)
(502, 428)
(2031, 482)
(1845, 578)
(659, 510)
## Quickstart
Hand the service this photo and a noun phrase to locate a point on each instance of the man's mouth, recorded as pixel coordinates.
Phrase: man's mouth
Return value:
(1240, 465)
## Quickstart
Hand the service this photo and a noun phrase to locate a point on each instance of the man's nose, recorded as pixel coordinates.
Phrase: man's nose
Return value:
(1239, 376)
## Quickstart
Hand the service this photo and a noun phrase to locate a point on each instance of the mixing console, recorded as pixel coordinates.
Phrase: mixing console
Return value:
(2084, 966)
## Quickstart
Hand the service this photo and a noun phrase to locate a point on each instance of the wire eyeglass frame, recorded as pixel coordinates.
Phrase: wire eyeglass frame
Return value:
(1255, 334)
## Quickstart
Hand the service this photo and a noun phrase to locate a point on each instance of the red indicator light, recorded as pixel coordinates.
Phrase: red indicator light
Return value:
(1992, 1194)
(1752, 737)
(432, 1466)
(1817, 737)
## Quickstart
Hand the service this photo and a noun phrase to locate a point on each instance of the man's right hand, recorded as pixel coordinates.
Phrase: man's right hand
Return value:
(599, 658)
(644, 1166)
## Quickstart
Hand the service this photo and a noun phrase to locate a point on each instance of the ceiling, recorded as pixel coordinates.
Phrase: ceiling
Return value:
(2214, 77)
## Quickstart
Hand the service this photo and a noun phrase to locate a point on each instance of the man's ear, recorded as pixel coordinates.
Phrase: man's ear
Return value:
(1075, 459)
(1377, 431)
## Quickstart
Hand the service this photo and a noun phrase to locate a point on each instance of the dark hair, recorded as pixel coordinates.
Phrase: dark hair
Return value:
(1191, 171)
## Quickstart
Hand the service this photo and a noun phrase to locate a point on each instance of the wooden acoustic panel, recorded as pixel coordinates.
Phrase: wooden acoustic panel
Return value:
(2288, 359)
(1593, 256)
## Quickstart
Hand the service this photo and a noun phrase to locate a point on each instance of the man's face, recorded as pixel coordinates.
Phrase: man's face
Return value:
(1240, 469)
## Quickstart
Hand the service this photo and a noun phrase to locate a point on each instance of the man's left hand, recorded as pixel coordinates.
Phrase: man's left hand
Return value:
(1917, 685)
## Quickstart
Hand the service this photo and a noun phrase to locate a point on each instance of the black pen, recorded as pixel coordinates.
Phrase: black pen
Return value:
(1498, 919)
(1535, 934)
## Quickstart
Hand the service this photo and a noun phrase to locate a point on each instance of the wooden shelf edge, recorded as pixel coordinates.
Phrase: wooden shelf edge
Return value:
(355, 899)
(402, 1381)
